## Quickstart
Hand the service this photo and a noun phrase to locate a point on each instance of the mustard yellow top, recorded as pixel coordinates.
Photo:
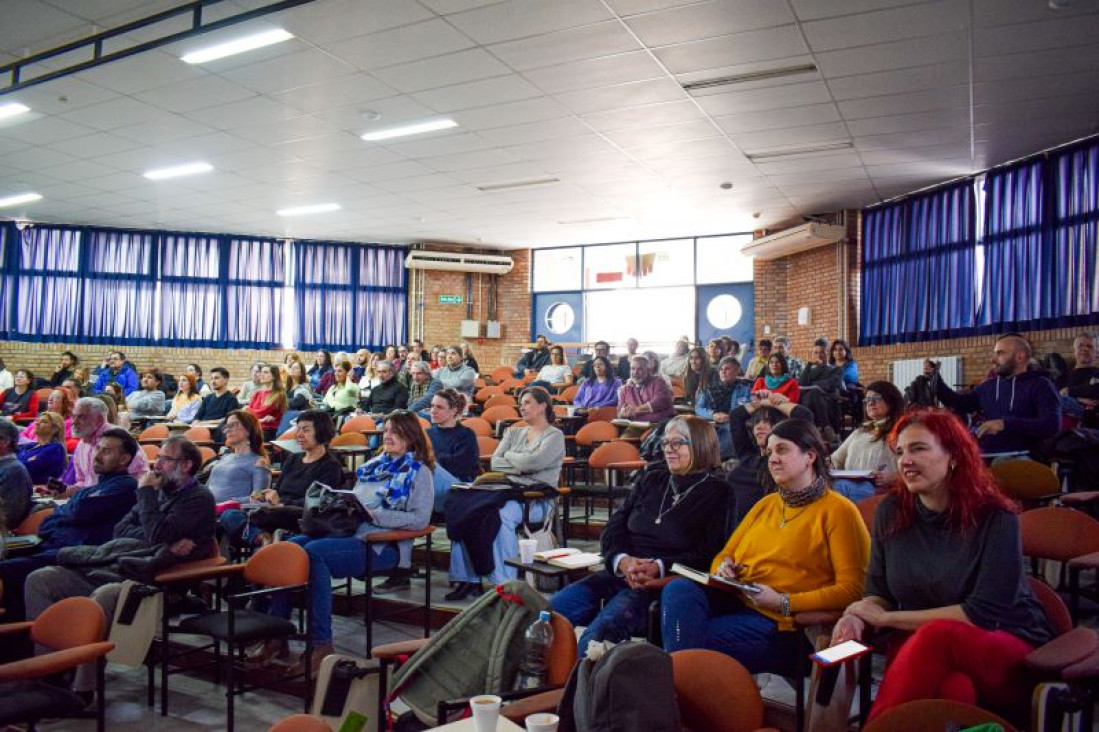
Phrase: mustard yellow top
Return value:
(819, 557)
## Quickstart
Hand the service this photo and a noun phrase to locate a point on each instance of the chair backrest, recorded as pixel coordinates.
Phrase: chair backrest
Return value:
(486, 445)
(500, 373)
(568, 394)
(154, 432)
(596, 432)
(290, 434)
(207, 453)
(613, 452)
(282, 563)
(926, 714)
(602, 414)
(359, 423)
(198, 434)
(1058, 533)
(72, 622)
(715, 692)
(151, 452)
(485, 393)
(31, 523)
(349, 439)
(301, 723)
(1057, 614)
(497, 400)
(43, 397)
(480, 427)
(425, 425)
(868, 509)
(495, 414)
(562, 656)
(1026, 480)
(511, 383)
(479, 383)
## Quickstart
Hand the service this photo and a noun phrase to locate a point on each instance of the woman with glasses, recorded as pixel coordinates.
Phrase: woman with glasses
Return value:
(867, 448)
(675, 514)
(243, 470)
(457, 455)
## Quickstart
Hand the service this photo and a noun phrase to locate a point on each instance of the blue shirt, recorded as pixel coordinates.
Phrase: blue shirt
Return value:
(43, 461)
(90, 515)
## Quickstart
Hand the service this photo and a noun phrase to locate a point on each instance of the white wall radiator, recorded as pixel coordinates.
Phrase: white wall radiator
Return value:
(906, 370)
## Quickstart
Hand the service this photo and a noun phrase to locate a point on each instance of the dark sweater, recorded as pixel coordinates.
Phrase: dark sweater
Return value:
(43, 461)
(90, 515)
(1081, 376)
(456, 450)
(533, 360)
(692, 533)
(825, 377)
(216, 407)
(929, 565)
(298, 475)
(1027, 403)
(162, 518)
(386, 397)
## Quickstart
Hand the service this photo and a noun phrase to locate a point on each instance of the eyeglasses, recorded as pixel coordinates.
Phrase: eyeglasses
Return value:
(673, 444)
(874, 400)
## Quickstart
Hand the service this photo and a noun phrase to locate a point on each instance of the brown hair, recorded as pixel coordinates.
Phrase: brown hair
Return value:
(276, 397)
(251, 425)
(406, 425)
(540, 395)
(705, 448)
(66, 401)
(192, 384)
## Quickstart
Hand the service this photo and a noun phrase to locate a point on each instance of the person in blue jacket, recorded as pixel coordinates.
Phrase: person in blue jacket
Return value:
(117, 371)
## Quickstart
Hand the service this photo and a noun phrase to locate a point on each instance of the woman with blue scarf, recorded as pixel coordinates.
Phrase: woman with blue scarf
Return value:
(777, 380)
(396, 490)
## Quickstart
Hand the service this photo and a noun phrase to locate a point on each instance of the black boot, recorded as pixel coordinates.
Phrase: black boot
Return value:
(464, 590)
(398, 579)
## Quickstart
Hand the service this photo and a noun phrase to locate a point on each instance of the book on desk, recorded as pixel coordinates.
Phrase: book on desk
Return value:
(714, 580)
(568, 558)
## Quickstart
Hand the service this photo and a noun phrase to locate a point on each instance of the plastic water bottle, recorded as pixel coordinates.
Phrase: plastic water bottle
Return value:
(536, 651)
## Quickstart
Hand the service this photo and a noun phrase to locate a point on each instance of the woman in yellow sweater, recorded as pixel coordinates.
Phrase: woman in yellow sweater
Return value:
(803, 545)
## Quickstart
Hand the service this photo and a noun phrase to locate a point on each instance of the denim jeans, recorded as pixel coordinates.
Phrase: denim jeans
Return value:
(607, 606)
(854, 490)
(330, 558)
(442, 479)
(693, 617)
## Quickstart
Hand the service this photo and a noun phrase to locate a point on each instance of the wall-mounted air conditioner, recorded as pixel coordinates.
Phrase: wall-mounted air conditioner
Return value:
(457, 262)
(791, 241)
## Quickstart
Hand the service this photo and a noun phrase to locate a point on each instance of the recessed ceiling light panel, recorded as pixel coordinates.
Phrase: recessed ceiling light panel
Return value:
(240, 45)
(310, 209)
(517, 184)
(13, 109)
(762, 75)
(178, 171)
(19, 198)
(417, 128)
(763, 155)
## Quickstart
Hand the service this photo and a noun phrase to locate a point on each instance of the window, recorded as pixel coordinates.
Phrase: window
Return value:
(49, 283)
(190, 294)
(617, 315)
(557, 269)
(610, 266)
(666, 263)
(119, 300)
(720, 259)
(253, 293)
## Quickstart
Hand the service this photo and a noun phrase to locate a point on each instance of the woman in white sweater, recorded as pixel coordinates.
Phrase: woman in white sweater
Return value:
(867, 448)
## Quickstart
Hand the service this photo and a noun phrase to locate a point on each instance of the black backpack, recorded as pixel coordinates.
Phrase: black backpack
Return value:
(630, 688)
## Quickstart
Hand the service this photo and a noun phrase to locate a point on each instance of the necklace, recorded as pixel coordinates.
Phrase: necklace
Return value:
(677, 496)
(800, 499)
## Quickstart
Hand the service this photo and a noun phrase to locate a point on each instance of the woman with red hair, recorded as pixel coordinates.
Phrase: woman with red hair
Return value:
(946, 570)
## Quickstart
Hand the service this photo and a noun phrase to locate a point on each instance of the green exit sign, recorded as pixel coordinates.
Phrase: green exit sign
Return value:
(450, 299)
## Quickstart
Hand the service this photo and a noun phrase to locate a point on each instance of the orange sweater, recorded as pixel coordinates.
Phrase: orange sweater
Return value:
(819, 558)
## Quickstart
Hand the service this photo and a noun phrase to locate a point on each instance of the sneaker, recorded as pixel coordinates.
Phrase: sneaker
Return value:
(399, 580)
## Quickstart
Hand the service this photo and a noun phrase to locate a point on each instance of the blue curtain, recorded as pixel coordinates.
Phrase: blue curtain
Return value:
(191, 306)
(348, 296)
(8, 235)
(253, 293)
(918, 268)
(49, 285)
(119, 299)
(1075, 288)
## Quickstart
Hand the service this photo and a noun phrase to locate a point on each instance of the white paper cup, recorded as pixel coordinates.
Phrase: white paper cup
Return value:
(486, 710)
(527, 547)
(542, 722)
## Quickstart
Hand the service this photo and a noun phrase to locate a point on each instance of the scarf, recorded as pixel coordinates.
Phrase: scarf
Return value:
(396, 477)
(796, 499)
(774, 382)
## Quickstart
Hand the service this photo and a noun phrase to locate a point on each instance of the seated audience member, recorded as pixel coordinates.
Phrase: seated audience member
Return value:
(750, 426)
(946, 571)
(269, 402)
(117, 414)
(757, 366)
(778, 380)
(343, 395)
(88, 517)
(64, 369)
(675, 366)
(217, 405)
(421, 387)
(401, 481)
(20, 401)
(625, 363)
(805, 546)
(457, 455)
(534, 359)
(438, 358)
(601, 348)
(187, 400)
(555, 375)
(529, 456)
(321, 373)
(456, 374)
(358, 368)
(674, 514)
(601, 388)
(243, 469)
(782, 346)
(119, 371)
(840, 357)
(921, 392)
(60, 403)
(645, 397)
(719, 399)
(15, 482)
(1080, 386)
(468, 358)
(89, 423)
(45, 457)
(148, 401)
(299, 394)
(389, 394)
(732, 347)
(83, 383)
(820, 383)
(250, 387)
(391, 354)
(173, 520)
(700, 375)
(867, 448)
(715, 349)
(7, 381)
(195, 370)
(1020, 407)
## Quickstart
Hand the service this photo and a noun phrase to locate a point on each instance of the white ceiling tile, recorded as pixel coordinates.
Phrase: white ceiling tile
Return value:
(778, 119)
(918, 138)
(1071, 60)
(1058, 31)
(333, 20)
(894, 24)
(1037, 87)
(938, 119)
(283, 131)
(711, 147)
(900, 81)
(815, 9)
(36, 158)
(163, 129)
(470, 160)
(108, 115)
(915, 154)
(707, 20)
(391, 111)
(483, 93)
(37, 22)
(953, 97)
(497, 173)
(755, 100)
(400, 45)
(549, 150)
(243, 113)
(46, 131)
(741, 48)
(535, 131)
(792, 136)
(520, 18)
(444, 144)
(814, 161)
(390, 171)
(79, 170)
(134, 185)
(576, 44)
(62, 95)
(897, 55)
(187, 96)
(649, 115)
(139, 73)
(512, 113)
(289, 72)
(627, 67)
(622, 95)
(445, 7)
(440, 71)
(664, 134)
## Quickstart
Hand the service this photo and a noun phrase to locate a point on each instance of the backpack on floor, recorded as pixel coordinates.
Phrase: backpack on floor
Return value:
(630, 688)
(478, 652)
(347, 693)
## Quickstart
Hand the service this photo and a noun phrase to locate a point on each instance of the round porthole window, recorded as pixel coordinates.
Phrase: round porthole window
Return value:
(559, 318)
(724, 311)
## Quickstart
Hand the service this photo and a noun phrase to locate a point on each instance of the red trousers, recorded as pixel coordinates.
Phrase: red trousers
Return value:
(948, 659)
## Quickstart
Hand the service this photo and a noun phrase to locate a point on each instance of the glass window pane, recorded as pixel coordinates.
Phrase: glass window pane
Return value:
(556, 269)
(610, 266)
(667, 262)
(720, 260)
(656, 318)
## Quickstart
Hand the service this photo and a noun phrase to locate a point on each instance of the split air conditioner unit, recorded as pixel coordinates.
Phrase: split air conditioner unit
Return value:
(792, 241)
(457, 262)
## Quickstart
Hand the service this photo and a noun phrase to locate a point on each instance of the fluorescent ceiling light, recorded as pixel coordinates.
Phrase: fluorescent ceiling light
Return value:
(178, 171)
(763, 75)
(13, 109)
(240, 45)
(311, 209)
(19, 198)
(804, 150)
(512, 185)
(413, 129)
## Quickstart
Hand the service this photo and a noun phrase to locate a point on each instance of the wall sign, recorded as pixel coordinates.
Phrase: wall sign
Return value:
(450, 299)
